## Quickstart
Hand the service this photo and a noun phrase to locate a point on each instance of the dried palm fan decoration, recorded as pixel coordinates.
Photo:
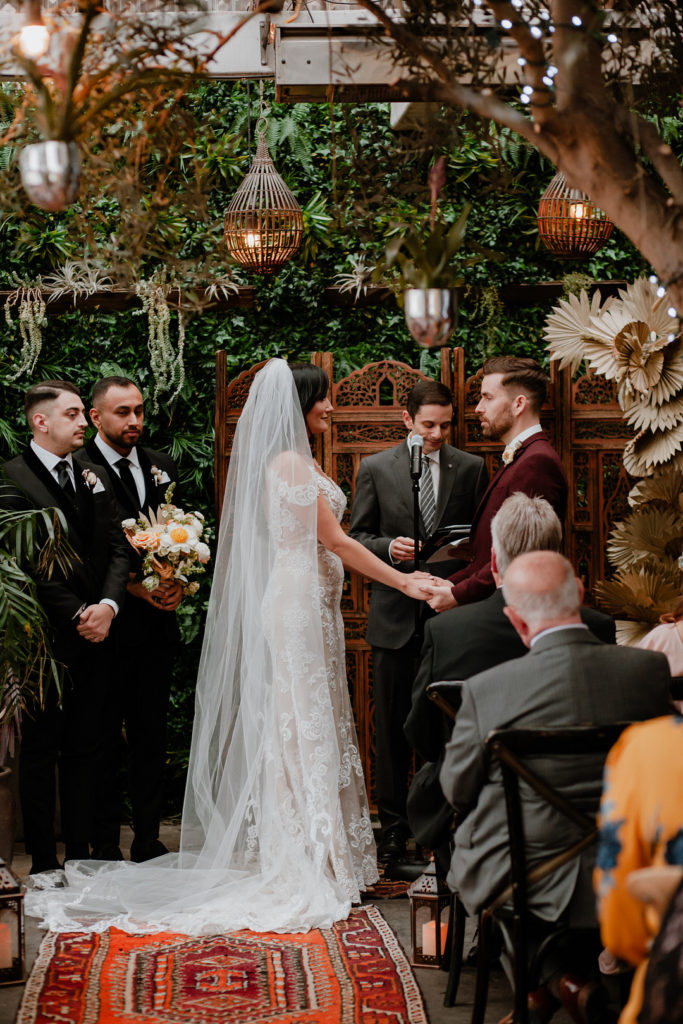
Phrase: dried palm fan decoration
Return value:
(264, 224)
(635, 341)
(569, 223)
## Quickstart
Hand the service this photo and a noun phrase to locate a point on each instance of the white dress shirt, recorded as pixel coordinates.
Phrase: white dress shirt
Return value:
(113, 457)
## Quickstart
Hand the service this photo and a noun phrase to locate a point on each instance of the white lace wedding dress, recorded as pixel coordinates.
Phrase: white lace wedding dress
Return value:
(276, 832)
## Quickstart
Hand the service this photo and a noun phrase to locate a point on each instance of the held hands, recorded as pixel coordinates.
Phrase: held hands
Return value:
(414, 584)
(438, 594)
(167, 596)
(94, 622)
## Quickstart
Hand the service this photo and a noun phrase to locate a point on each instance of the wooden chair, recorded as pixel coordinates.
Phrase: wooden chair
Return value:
(512, 748)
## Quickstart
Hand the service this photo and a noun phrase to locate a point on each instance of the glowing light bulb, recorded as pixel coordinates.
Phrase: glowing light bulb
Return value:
(576, 21)
(524, 98)
(252, 239)
(672, 311)
(535, 31)
(33, 41)
(552, 70)
(611, 38)
(506, 23)
(652, 279)
(577, 210)
(521, 61)
(661, 291)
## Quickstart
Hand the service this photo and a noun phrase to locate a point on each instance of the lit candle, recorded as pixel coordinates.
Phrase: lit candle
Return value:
(429, 938)
(5, 946)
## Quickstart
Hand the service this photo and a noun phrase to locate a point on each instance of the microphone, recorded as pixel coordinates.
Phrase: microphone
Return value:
(416, 443)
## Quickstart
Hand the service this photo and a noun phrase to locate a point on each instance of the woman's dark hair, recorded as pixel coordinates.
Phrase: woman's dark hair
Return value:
(312, 384)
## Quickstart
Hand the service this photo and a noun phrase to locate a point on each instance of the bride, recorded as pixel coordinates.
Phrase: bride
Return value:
(276, 832)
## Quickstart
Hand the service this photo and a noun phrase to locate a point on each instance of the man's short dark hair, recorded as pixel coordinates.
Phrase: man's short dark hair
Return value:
(520, 372)
(46, 391)
(102, 386)
(427, 392)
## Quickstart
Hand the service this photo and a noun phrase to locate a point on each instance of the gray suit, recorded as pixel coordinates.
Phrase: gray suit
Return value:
(383, 509)
(568, 678)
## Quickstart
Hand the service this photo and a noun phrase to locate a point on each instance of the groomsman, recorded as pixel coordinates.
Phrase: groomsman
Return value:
(382, 520)
(80, 604)
(146, 633)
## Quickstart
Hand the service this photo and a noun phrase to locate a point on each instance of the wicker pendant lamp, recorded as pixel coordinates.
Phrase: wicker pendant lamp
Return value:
(264, 224)
(569, 223)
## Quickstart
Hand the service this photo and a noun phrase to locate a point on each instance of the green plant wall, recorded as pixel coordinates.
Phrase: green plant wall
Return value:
(355, 195)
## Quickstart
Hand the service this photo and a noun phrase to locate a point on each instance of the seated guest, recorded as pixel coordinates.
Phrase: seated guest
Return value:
(568, 678)
(641, 825)
(667, 637)
(462, 642)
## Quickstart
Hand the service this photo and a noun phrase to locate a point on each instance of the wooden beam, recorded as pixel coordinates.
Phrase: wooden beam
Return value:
(118, 300)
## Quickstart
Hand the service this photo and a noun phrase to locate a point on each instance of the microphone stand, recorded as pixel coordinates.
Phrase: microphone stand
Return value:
(415, 472)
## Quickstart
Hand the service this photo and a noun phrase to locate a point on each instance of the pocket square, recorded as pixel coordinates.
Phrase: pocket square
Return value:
(99, 486)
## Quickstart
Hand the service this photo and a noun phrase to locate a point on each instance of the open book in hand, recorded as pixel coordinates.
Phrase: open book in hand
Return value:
(446, 543)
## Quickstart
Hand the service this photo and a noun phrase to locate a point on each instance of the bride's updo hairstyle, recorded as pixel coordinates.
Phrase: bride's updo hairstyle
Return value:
(312, 384)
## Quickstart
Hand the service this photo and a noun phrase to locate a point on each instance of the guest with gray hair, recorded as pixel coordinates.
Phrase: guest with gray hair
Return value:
(467, 640)
(567, 678)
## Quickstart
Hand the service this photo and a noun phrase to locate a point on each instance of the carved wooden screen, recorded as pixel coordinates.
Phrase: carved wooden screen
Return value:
(581, 418)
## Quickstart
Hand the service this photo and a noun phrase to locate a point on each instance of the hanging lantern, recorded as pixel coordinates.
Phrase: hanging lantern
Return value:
(51, 173)
(11, 928)
(569, 223)
(264, 224)
(430, 899)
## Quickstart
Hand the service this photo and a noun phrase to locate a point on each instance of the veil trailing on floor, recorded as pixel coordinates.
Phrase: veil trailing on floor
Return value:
(263, 779)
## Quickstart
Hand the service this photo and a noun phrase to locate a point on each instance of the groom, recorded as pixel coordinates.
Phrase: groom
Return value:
(80, 603)
(382, 520)
(146, 634)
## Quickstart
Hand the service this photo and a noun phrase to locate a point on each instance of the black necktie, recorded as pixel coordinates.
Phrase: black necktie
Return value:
(64, 478)
(127, 479)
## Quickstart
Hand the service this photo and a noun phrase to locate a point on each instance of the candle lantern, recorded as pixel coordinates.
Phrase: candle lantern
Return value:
(430, 899)
(11, 928)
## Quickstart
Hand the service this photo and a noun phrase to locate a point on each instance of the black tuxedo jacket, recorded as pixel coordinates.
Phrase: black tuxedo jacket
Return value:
(101, 566)
(383, 509)
(140, 621)
(149, 459)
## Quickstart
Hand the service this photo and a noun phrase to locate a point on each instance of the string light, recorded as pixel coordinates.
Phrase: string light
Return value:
(672, 311)
(535, 31)
(552, 70)
(576, 21)
(661, 292)
(611, 38)
(521, 61)
(506, 23)
(547, 80)
(525, 98)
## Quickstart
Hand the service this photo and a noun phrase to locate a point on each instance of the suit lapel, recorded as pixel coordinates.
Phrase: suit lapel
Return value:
(55, 495)
(538, 436)
(122, 496)
(150, 486)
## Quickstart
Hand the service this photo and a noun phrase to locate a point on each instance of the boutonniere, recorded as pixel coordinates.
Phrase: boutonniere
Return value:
(91, 479)
(510, 452)
(157, 475)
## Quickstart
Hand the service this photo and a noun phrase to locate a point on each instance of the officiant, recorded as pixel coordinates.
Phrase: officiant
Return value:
(452, 483)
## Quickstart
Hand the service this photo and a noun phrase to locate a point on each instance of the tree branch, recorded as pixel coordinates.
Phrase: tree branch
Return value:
(657, 151)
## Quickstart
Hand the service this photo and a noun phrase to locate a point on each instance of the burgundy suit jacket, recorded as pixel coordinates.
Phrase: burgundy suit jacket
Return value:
(536, 471)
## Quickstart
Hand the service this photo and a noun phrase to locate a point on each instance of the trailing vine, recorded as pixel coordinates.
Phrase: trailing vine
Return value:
(31, 320)
(166, 363)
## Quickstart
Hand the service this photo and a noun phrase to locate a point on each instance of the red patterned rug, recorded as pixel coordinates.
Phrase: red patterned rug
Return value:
(353, 973)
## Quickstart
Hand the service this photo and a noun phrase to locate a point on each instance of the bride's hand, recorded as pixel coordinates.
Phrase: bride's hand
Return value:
(414, 583)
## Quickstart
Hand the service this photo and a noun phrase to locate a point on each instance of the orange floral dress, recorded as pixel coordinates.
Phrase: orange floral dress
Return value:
(641, 825)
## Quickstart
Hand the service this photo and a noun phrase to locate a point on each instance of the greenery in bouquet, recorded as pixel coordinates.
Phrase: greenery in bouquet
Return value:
(170, 543)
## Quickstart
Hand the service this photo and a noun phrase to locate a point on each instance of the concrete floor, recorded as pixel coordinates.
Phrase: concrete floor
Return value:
(432, 982)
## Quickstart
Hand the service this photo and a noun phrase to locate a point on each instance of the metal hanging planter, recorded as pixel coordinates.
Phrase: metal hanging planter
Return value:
(264, 225)
(431, 314)
(569, 223)
(51, 173)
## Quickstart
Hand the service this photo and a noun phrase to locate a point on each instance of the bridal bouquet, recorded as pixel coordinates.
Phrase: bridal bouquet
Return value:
(170, 545)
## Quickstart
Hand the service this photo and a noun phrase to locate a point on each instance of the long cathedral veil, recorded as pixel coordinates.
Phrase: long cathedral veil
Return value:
(258, 816)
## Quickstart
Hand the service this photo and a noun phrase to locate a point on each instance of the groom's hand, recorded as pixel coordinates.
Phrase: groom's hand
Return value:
(94, 622)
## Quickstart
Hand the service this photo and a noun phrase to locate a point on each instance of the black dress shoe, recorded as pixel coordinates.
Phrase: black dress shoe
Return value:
(49, 864)
(140, 852)
(392, 846)
(77, 851)
(107, 851)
